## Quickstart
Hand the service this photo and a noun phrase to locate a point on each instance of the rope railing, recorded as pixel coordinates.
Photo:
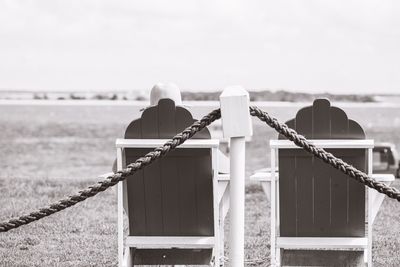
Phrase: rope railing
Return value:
(179, 139)
(327, 157)
(112, 180)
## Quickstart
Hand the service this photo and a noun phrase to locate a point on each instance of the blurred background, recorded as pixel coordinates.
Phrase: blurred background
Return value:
(310, 46)
(63, 63)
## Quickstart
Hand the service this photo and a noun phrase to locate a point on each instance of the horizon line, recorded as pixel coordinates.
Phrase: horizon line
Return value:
(57, 91)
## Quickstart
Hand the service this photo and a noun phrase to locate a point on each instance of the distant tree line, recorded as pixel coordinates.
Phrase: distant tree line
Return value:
(265, 95)
(75, 96)
(280, 95)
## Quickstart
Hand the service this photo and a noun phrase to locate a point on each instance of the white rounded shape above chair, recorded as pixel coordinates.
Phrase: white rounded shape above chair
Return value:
(168, 90)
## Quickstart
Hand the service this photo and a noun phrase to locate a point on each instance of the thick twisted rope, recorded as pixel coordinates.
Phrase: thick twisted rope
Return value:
(179, 139)
(327, 157)
(112, 180)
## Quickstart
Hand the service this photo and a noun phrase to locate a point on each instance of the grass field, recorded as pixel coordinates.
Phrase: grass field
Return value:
(50, 152)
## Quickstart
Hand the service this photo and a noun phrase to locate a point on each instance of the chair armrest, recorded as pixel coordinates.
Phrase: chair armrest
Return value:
(223, 180)
(264, 175)
(223, 177)
(383, 177)
(376, 198)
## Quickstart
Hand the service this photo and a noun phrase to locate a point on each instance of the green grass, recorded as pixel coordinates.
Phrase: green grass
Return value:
(46, 158)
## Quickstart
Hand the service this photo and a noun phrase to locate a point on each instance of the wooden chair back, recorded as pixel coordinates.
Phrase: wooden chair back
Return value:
(173, 196)
(317, 200)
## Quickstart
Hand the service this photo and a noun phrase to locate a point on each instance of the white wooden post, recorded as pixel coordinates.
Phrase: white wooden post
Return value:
(236, 125)
(368, 252)
(273, 199)
(120, 212)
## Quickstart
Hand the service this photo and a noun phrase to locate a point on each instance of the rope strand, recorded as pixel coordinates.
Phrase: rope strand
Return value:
(327, 157)
(112, 180)
(179, 139)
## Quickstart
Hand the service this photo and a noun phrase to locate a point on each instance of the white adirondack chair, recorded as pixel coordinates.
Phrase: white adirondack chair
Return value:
(175, 207)
(317, 213)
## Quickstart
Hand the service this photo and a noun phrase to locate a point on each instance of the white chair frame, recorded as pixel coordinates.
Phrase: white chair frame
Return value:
(221, 206)
(270, 182)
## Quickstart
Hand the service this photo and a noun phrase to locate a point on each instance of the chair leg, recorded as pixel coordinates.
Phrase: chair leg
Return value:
(278, 257)
(128, 258)
(221, 253)
(221, 250)
(216, 259)
(368, 257)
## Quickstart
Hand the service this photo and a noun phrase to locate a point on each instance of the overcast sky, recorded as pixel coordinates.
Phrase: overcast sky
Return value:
(336, 46)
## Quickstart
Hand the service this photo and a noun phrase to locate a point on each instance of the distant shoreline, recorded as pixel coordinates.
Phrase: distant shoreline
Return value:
(278, 96)
(213, 104)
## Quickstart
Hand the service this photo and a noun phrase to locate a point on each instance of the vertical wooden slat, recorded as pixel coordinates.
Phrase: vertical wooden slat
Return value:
(135, 184)
(170, 195)
(339, 181)
(321, 119)
(136, 202)
(322, 198)
(187, 197)
(152, 178)
(134, 130)
(183, 120)
(168, 171)
(304, 183)
(204, 193)
(356, 205)
(321, 171)
(304, 195)
(340, 199)
(357, 190)
(339, 124)
(355, 131)
(153, 199)
(287, 188)
(166, 120)
(149, 123)
(304, 122)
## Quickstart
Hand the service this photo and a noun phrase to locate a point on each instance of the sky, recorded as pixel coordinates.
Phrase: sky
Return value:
(340, 46)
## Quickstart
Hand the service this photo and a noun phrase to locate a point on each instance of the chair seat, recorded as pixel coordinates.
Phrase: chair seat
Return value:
(166, 242)
(172, 256)
(322, 242)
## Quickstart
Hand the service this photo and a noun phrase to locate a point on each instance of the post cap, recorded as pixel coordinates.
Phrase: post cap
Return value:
(236, 120)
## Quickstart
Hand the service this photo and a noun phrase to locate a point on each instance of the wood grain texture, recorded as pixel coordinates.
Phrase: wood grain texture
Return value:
(315, 199)
(322, 258)
(168, 197)
(171, 256)
(173, 196)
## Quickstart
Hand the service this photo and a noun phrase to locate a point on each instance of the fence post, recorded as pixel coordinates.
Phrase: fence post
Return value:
(236, 125)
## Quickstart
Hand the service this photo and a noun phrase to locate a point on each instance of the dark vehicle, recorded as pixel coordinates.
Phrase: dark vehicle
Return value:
(386, 159)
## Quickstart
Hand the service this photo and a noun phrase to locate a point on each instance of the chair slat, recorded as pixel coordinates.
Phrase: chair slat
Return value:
(173, 196)
(326, 204)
